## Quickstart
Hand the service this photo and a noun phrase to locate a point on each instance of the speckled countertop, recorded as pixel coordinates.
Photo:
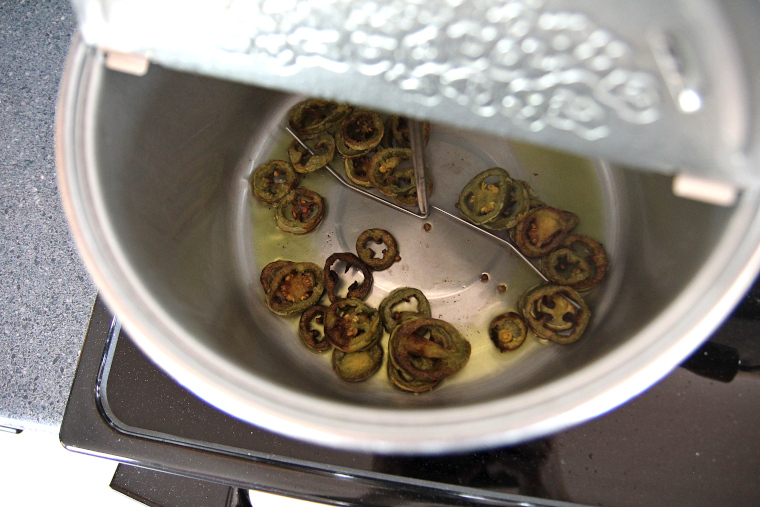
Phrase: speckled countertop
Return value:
(45, 293)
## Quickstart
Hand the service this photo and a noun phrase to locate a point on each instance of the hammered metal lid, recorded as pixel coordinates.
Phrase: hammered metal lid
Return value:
(664, 85)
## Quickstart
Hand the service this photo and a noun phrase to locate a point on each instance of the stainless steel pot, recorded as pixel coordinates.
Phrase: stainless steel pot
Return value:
(153, 173)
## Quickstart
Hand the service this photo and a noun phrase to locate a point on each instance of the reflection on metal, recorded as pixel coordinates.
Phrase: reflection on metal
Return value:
(677, 68)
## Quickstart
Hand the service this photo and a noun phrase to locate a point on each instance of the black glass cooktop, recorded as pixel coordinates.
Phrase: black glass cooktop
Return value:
(689, 440)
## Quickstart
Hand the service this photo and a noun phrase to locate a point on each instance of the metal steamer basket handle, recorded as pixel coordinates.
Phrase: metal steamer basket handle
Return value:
(422, 199)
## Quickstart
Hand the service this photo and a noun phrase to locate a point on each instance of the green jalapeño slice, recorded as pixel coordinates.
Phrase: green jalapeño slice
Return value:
(300, 211)
(392, 310)
(357, 169)
(485, 195)
(387, 173)
(310, 336)
(267, 274)
(357, 366)
(400, 131)
(378, 237)
(432, 339)
(344, 149)
(515, 208)
(313, 116)
(555, 312)
(362, 130)
(581, 262)
(508, 331)
(304, 162)
(295, 288)
(273, 180)
(404, 182)
(543, 230)
(565, 267)
(406, 382)
(351, 325)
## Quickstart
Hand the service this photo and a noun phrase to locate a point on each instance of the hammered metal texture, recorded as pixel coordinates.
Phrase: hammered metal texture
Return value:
(539, 69)
(659, 85)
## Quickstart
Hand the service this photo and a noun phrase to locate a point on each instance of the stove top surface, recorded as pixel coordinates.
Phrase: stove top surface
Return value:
(687, 440)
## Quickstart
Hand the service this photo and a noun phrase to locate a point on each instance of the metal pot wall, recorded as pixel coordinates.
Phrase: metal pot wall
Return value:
(154, 174)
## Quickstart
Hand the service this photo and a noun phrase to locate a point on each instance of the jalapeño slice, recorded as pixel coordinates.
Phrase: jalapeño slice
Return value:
(300, 211)
(357, 366)
(273, 180)
(543, 230)
(555, 312)
(304, 162)
(310, 336)
(400, 130)
(515, 208)
(388, 175)
(392, 316)
(508, 331)
(404, 381)
(379, 237)
(355, 290)
(405, 181)
(485, 195)
(357, 169)
(316, 115)
(444, 346)
(295, 288)
(267, 274)
(581, 262)
(362, 130)
(565, 267)
(351, 325)
(345, 150)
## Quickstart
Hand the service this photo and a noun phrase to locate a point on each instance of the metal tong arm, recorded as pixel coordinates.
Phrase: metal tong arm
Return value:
(418, 159)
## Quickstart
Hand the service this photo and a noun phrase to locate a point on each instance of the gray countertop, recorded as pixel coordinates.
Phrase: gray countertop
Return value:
(45, 293)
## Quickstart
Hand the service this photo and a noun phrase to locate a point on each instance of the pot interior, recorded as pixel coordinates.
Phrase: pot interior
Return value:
(174, 155)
